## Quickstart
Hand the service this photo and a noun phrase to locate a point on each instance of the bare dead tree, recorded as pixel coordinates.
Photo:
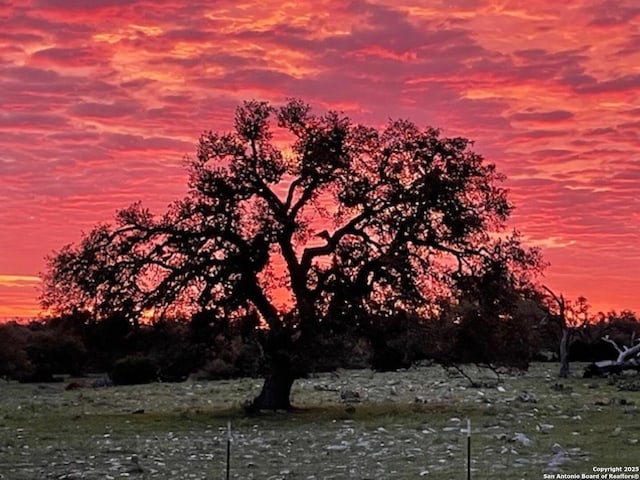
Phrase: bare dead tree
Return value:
(624, 353)
(560, 318)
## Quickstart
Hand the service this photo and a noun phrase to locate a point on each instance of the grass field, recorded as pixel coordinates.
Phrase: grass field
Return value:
(409, 424)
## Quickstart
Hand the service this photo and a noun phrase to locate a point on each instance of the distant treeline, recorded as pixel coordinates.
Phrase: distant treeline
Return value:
(213, 348)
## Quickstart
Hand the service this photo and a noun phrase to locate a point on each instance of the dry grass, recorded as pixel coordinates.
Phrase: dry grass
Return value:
(408, 424)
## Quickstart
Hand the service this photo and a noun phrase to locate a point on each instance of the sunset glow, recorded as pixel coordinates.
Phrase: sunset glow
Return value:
(101, 101)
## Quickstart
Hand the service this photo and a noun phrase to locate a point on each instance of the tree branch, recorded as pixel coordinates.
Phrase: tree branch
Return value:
(349, 228)
(298, 181)
(624, 352)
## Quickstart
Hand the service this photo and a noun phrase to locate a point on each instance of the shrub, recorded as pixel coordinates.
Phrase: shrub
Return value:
(216, 369)
(52, 352)
(134, 369)
(14, 360)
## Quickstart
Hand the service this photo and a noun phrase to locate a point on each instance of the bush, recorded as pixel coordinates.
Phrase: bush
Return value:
(177, 364)
(52, 352)
(14, 360)
(216, 369)
(388, 358)
(134, 369)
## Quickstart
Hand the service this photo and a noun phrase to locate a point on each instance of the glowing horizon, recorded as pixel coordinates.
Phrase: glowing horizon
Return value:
(102, 100)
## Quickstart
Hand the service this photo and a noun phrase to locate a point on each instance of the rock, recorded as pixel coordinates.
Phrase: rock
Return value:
(559, 457)
(350, 396)
(102, 382)
(135, 467)
(544, 427)
(522, 439)
(628, 384)
(337, 448)
(324, 388)
(527, 397)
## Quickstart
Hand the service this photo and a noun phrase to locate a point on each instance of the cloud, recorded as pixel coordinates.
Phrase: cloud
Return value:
(18, 280)
(543, 117)
(102, 100)
(616, 85)
(607, 14)
(104, 110)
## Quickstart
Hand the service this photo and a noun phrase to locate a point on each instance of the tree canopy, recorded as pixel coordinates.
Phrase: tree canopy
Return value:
(312, 222)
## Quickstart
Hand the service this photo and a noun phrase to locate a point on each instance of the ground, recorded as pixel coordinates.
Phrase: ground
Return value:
(351, 425)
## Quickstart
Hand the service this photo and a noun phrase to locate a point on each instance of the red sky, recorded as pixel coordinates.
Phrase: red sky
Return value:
(101, 100)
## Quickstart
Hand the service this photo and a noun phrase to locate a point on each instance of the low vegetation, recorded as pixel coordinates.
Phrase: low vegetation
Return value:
(349, 424)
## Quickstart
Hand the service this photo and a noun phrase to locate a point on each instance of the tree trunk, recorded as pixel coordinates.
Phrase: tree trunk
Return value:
(275, 394)
(276, 390)
(564, 354)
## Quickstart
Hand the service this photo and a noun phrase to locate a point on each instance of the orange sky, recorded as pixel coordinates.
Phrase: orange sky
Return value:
(101, 100)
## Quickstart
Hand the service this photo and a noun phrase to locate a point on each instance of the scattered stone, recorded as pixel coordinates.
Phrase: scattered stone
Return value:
(350, 396)
(522, 439)
(628, 384)
(527, 397)
(544, 427)
(322, 449)
(135, 467)
(102, 382)
(324, 388)
(337, 448)
(559, 457)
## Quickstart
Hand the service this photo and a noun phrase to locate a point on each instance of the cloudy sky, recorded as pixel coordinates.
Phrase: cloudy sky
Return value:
(101, 100)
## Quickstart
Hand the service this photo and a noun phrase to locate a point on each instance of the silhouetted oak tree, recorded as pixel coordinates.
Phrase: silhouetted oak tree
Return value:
(351, 222)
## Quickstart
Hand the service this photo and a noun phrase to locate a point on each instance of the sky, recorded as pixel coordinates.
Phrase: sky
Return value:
(102, 100)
